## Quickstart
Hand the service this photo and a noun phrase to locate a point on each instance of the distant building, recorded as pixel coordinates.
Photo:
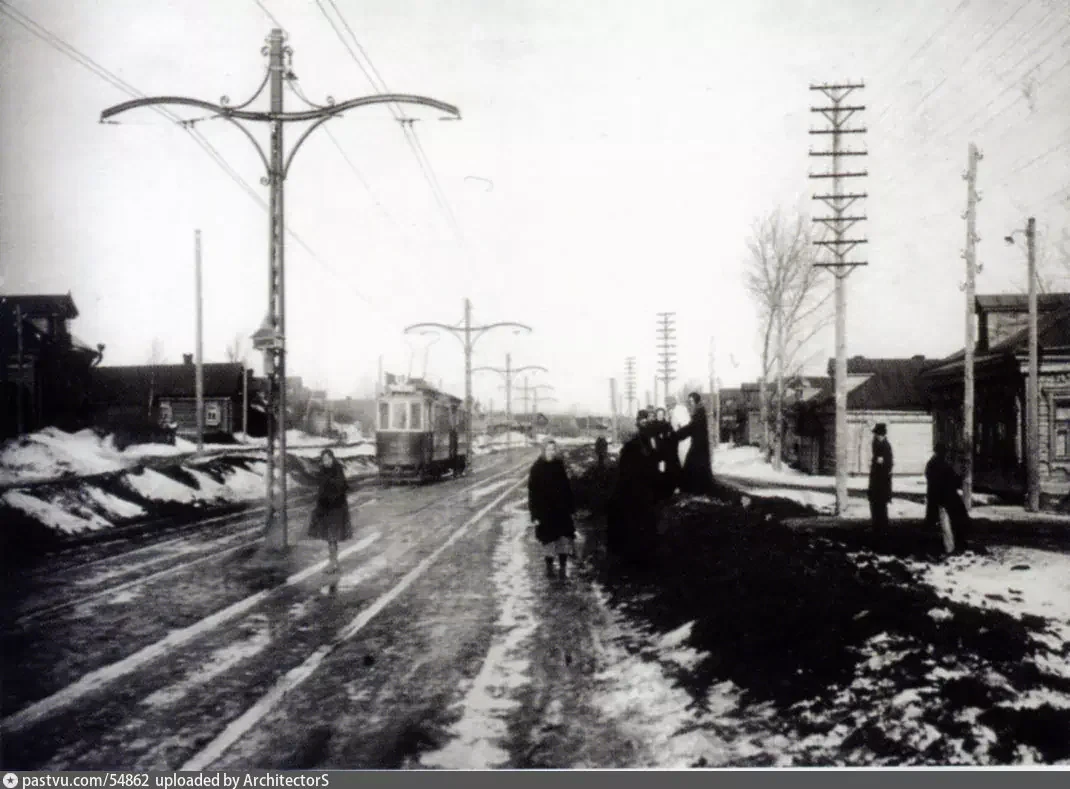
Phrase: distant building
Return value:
(166, 394)
(43, 365)
(878, 390)
(1001, 366)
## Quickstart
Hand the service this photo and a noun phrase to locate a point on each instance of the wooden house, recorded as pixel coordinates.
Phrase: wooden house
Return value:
(44, 368)
(1001, 367)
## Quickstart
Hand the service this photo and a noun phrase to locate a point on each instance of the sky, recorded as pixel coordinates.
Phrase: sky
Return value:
(611, 160)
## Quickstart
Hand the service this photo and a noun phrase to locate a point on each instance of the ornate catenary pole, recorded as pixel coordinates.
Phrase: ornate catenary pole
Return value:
(271, 338)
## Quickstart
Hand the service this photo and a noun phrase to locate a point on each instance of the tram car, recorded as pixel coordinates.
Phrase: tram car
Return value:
(420, 433)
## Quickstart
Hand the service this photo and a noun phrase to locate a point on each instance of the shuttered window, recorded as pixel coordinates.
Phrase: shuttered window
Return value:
(1061, 429)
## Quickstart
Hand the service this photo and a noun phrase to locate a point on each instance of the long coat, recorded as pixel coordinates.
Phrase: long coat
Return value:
(668, 453)
(633, 513)
(880, 472)
(697, 475)
(942, 485)
(550, 500)
(330, 517)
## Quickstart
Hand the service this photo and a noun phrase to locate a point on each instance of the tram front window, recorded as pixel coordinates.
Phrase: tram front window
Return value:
(401, 416)
(416, 421)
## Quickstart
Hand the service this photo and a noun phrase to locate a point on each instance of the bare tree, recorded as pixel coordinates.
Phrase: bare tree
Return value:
(236, 351)
(792, 299)
(156, 353)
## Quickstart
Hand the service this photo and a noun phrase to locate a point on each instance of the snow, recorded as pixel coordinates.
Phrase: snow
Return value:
(825, 503)
(479, 734)
(747, 463)
(116, 507)
(155, 486)
(54, 515)
(53, 453)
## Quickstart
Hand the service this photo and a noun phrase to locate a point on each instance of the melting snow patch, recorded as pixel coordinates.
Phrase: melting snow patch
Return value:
(486, 490)
(940, 614)
(478, 736)
(155, 486)
(53, 515)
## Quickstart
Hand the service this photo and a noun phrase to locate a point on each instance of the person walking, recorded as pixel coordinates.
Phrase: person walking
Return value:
(330, 517)
(552, 505)
(879, 491)
(697, 474)
(942, 501)
(633, 512)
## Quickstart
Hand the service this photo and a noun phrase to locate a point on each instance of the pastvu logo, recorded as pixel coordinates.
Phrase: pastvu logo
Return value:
(11, 780)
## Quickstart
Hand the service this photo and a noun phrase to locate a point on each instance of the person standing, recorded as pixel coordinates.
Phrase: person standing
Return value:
(697, 474)
(551, 504)
(601, 449)
(942, 484)
(632, 520)
(668, 455)
(330, 517)
(879, 491)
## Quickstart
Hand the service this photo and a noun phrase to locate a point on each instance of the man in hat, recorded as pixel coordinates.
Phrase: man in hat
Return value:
(880, 477)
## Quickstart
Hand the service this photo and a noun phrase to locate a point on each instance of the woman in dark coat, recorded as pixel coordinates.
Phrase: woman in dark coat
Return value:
(668, 454)
(697, 476)
(551, 504)
(330, 517)
(633, 509)
(942, 484)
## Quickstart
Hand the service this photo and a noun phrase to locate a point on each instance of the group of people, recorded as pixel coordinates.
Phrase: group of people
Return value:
(944, 507)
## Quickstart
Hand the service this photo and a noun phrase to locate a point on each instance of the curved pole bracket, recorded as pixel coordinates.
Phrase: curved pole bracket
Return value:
(481, 330)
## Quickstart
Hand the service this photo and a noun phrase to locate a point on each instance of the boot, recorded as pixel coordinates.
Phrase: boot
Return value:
(549, 567)
(562, 561)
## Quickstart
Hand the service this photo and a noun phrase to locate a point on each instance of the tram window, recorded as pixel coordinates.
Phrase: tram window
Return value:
(401, 416)
(384, 416)
(417, 410)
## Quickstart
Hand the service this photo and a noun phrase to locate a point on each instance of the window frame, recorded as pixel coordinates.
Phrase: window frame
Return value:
(416, 415)
(1060, 454)
(213, 408)
(383, 415)
(399, 407)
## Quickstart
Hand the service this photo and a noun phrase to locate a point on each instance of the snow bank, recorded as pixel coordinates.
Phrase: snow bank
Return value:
(52, 453)
(748, 463)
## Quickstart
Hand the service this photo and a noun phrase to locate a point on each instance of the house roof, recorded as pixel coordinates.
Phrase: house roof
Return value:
(36, 305)
(1019, 302)
(133, 384)
(881, 384)
(1053, 336)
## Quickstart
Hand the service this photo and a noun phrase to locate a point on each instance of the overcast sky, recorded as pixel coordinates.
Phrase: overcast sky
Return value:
(611, 159)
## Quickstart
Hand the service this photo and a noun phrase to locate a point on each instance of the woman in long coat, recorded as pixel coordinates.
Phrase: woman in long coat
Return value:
(330, 517)
(552, 505)
(697, 475)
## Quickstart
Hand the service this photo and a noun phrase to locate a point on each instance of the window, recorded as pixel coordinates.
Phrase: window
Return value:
(167, 416)
(384, 416)
(1061, 429)
(212, 414)
(416, 411)
(401, 416)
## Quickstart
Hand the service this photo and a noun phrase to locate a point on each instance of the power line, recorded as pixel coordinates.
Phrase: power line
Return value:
(270, 15)
(57, 43)
(378, 83)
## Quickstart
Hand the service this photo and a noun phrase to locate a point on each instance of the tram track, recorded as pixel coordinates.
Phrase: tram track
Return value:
(101, 676)
(249, 533)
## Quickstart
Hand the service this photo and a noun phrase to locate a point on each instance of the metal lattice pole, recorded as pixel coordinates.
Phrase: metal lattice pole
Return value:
(271, 338)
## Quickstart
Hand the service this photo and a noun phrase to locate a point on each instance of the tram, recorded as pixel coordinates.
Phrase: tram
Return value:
(421, 433)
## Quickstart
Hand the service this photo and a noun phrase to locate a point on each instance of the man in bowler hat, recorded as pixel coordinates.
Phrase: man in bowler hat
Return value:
(880, 477)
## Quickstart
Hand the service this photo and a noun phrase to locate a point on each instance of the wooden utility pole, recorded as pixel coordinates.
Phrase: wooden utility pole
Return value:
(613, 408)
(20, 417)
(629, 384)
(972, 198)
(1033, 382)
(715, 417)
(839, 223)
(667, 353)
(508, 373)
(200, 342)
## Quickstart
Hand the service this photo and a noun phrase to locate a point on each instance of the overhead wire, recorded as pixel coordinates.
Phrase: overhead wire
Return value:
(60, 45)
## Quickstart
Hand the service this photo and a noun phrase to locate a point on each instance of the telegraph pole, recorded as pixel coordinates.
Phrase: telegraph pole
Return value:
(1033, 467)
(629, 383)
(666, 351)
(20, 419)
(715, 406)
(613, 407)
(839, 223)
(271, 337)
(200, 342)
(508, 373)
(972, 198)
(468, 335)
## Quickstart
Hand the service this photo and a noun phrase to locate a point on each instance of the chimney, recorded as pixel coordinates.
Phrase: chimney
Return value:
(187, 359)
